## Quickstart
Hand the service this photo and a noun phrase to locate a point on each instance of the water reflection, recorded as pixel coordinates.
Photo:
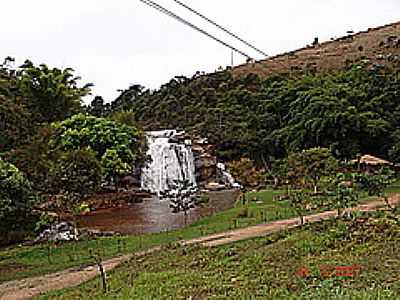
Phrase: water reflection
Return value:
(153, 215)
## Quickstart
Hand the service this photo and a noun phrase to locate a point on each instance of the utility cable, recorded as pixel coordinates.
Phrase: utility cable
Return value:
(220, 27)
(187, 23)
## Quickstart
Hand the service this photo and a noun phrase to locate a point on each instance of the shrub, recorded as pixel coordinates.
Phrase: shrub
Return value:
(300, 201)
(245, 172)
(76, 174)
(341, 192)
(118, 147)
(16, 199)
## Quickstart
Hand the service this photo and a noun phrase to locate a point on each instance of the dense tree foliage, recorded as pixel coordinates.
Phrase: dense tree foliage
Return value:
(376, 183)
(32, 95)
(76, 174)
(127, 99)
(306, 168)
(98, 107)
(52, 94)
(16, 197)
(35, 159)
(349, 112)
(118, 147)
(342, 191)
(14, 118)
(246, 173)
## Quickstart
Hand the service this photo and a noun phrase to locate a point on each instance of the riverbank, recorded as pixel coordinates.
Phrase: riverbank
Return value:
(354, 258)
(128, 265)
(26, 261)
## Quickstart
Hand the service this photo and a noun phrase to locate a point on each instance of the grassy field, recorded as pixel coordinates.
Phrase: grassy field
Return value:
(356, 258)
(394, 188)
(25, 261)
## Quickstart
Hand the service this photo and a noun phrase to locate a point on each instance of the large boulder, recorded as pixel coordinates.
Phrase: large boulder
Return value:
(58, 232)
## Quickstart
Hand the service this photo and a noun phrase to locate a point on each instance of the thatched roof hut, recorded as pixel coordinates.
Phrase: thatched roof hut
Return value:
(372, 160)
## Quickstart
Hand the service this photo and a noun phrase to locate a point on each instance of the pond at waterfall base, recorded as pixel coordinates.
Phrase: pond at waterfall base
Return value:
(153, 215)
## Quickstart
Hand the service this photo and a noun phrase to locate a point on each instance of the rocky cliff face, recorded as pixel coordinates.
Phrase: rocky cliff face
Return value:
(205, 163)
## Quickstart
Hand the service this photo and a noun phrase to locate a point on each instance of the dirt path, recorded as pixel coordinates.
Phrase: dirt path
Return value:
(31, 287)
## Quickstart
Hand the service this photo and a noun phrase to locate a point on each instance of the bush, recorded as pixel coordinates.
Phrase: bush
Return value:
(34, 159)
(76, 174)
(246, 173)
(118, 147)
(16, 200)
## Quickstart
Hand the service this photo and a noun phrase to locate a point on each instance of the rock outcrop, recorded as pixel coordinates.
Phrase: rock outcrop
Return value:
(205, 163)
(59, 232)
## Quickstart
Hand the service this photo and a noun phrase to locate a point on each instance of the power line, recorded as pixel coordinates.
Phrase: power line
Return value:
(178, 18)
(220, 27)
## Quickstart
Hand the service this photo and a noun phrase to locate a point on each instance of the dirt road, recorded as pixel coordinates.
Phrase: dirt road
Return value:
(30, 287)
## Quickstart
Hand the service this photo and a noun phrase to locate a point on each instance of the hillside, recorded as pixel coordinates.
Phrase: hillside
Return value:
(343, 95)
(329, 260)
(380, 45)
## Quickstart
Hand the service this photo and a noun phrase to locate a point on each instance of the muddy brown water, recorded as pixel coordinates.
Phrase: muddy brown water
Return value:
(154, 215)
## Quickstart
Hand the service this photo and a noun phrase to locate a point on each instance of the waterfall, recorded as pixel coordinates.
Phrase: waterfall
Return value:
(227, 176)
(172, 159)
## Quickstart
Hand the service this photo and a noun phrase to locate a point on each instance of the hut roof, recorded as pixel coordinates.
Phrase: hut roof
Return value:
(372, 160)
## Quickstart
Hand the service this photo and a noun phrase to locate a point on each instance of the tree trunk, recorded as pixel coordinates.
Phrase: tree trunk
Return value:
(103, 275)
(386, 199)
(185, 217)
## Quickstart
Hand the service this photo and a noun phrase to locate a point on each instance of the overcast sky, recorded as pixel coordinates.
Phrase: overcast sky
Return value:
(117, 43)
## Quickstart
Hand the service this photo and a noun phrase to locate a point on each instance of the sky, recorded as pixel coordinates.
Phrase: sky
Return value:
(114, 44)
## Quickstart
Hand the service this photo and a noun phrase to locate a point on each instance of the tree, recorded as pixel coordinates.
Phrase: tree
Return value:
(98, 108)
(15, 119)
(34, 158)
(124, 117)
(307, 167)
(180, 194)
(244, 116)
(342, 193)
(394, 153)
(16, 198)
(51, 94)
(118, 147)
(77, 173)
(114, 166)
(127, 98)
(376, 184)
(300, 201)
(245, 172)
(15, 124)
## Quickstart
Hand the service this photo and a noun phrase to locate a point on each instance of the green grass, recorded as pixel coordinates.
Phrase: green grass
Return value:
(26, 261)
(267, 268)
(394, 188)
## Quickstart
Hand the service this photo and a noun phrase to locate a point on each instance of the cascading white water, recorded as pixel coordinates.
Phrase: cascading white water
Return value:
(171, 161)
(228, 176)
